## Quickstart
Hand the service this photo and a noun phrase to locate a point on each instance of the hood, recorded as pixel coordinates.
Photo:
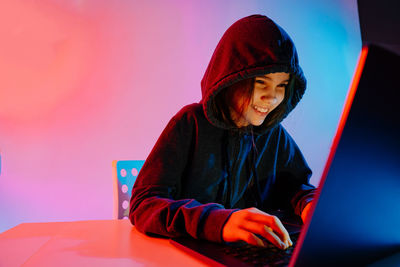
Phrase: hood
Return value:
(252, 46)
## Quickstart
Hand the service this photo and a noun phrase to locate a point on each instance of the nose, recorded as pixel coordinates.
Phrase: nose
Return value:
(269, 98)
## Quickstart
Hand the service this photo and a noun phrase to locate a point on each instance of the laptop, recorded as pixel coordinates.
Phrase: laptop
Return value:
(356, 213)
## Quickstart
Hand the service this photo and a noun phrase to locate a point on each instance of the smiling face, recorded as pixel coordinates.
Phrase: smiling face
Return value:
(268, 93)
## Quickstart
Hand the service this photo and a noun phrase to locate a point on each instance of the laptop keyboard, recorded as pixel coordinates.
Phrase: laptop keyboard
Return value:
(259, 256)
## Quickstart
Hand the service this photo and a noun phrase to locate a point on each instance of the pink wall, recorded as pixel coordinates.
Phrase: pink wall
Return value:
(85, 82)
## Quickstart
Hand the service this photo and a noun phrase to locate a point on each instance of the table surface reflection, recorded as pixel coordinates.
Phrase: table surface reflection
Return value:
(87, 243)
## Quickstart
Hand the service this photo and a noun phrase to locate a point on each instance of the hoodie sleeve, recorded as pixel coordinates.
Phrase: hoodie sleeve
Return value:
(293, 179)
(155, 207)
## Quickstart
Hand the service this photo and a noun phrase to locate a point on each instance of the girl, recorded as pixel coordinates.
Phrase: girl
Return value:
(222, 164)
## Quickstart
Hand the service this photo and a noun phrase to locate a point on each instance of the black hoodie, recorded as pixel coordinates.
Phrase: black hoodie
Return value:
(201, 169)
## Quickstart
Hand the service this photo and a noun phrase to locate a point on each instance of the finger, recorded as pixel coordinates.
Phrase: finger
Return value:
(264, 231)
(271, 236)
(271, 221)
(250, 238)
(290, 243)
(278, 228)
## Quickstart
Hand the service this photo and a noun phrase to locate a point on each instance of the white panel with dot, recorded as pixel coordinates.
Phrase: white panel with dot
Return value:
(124, 188)
(134, 172)
(125, 204)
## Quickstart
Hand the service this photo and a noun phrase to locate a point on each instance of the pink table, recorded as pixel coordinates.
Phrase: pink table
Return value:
(87, 243)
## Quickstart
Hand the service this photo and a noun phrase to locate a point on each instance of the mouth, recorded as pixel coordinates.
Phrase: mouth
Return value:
(261, 110)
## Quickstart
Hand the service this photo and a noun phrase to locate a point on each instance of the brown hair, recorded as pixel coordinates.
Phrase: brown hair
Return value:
(223, 101)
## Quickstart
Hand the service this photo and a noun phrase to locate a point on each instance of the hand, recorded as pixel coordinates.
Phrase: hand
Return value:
(306, 211)
(245, 224)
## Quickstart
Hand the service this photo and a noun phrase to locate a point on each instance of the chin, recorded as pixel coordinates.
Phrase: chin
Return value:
(257, 123)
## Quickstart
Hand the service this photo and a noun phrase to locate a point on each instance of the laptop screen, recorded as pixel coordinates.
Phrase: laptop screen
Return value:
(357, 217)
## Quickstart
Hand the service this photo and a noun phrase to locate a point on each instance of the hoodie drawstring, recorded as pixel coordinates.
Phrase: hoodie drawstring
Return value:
(256, 192)
(227, 180)
(252, 185)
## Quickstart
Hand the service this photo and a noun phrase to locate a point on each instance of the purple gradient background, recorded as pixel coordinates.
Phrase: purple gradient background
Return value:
(85, 82)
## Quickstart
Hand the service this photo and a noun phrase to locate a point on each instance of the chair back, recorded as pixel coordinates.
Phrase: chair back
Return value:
(124, 176)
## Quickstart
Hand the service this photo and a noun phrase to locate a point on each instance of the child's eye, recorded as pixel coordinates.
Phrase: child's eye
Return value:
(260, 82)
(283, 85)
